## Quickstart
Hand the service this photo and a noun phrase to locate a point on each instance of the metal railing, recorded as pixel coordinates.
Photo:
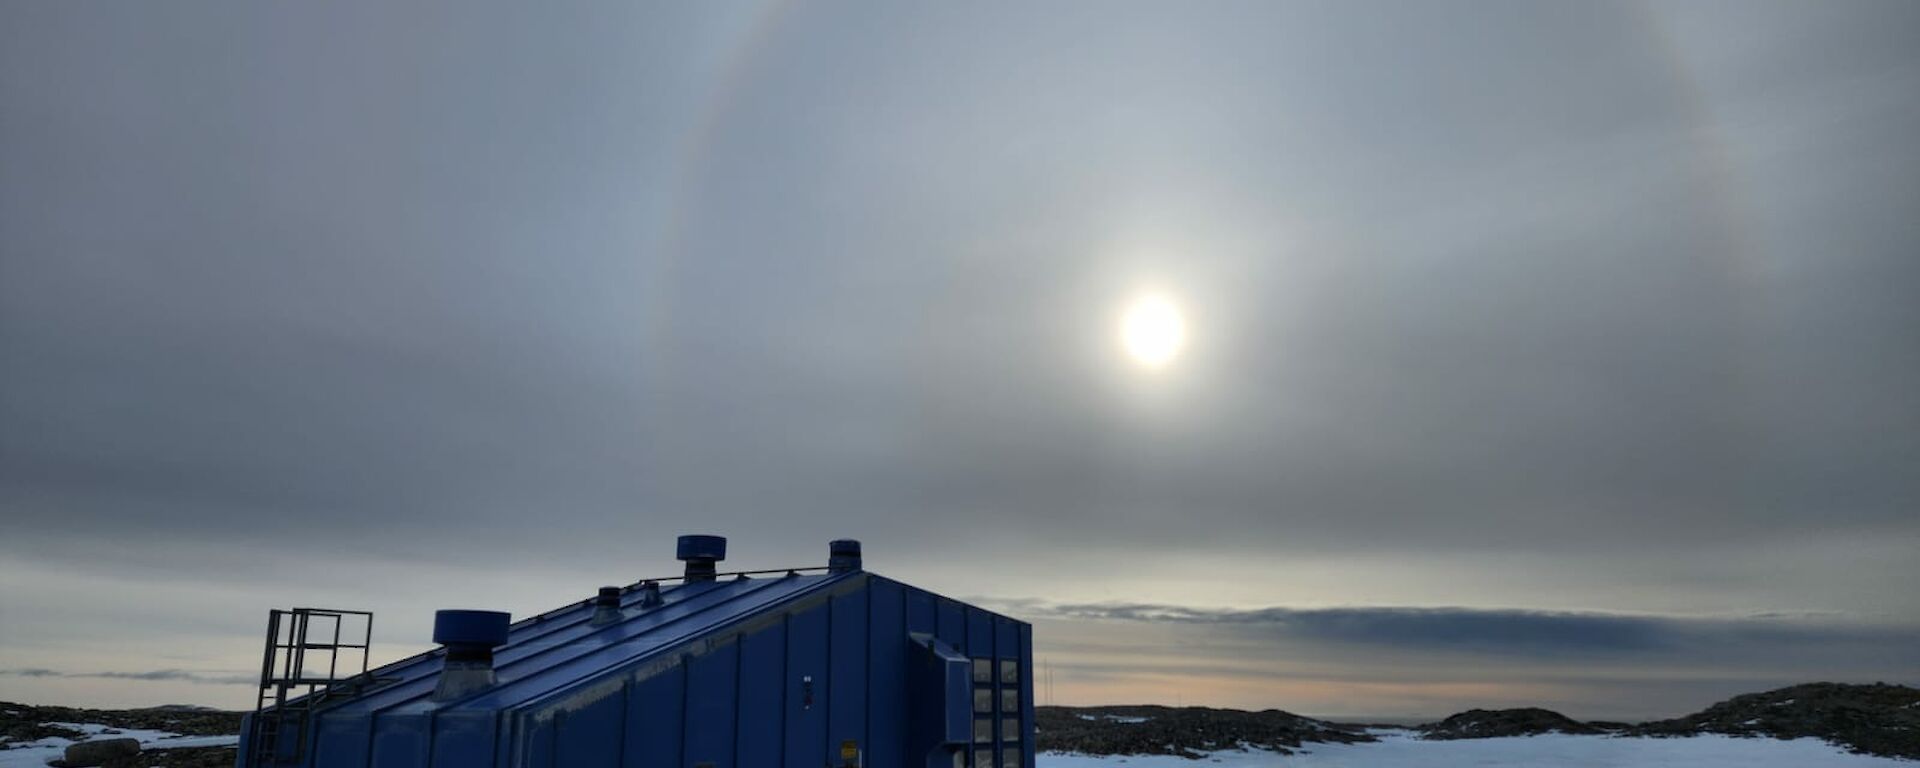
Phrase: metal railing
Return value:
(280, 725)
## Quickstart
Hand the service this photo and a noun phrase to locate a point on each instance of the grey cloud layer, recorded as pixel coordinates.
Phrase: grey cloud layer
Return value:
(1518, 323)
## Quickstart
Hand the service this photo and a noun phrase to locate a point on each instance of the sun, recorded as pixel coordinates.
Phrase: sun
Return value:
(1152, 331)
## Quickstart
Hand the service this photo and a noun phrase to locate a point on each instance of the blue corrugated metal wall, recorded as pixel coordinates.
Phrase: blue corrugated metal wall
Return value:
(791, 692)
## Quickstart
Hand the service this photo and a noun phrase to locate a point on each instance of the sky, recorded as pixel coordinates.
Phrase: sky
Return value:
(1533, 353)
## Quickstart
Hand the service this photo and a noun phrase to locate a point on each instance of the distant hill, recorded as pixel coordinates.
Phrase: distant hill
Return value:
(1876, 719)
(1495, 723)
(1183, 731)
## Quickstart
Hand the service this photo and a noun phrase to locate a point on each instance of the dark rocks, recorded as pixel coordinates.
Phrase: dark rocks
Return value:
(23, 727)
(1495, 723)
(1184, 731)
(186, 757)
(24, 723)
(88, 754)
(1876, 719)
(190, 757)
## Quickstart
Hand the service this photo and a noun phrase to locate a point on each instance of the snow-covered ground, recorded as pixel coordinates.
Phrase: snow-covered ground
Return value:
(36, 753)
(1396, 749)
(1401, 750)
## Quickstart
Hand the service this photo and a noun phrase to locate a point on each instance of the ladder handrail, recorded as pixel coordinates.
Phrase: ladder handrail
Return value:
(270, 720)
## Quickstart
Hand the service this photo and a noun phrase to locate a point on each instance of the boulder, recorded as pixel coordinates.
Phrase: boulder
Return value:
(86, 754)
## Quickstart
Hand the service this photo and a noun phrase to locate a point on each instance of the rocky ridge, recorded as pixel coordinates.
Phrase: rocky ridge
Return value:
(1183, 731)
(1879, 719)
(1876, 719)
(1496, 723)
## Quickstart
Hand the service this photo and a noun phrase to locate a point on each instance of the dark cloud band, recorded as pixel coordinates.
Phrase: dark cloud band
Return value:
(1494, 631)
(158, 675)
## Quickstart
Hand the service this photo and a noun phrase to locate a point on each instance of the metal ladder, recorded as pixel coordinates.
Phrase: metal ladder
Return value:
(280, 725)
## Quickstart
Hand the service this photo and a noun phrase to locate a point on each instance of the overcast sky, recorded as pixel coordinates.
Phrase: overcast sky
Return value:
(1559, 353)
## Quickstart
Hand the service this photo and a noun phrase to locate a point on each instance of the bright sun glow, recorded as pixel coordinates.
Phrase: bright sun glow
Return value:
(1152, 331)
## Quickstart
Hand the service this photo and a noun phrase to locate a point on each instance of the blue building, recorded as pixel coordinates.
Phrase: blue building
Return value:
(830, 666)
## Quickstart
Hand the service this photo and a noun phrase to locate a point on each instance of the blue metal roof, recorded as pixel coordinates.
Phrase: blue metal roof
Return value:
(546, 654)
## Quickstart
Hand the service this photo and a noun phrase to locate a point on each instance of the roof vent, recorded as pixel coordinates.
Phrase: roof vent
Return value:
(843, 556)
(606, 606)
(650, 594)
(700, 554)
(470, 637)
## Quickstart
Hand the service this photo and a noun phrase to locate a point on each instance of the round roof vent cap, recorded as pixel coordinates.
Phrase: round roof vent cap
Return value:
(485, 629)
(702, 547)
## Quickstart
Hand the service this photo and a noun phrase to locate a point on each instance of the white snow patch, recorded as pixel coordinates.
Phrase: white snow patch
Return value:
(1128, 719)
(1546, 751)
(36, 753)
